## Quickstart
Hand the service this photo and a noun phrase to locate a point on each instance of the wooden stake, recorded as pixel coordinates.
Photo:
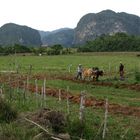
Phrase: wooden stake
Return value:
(42, 96)
(27, 88)
(1, 91)
(18, 85)
(69, 68)
(30, 69)
(36, 87)
(68, 106)
(109, 67)
(105, 120)
(116, 70)
(24, 92)
(10, 90)
(53, 136)
(36, 91)
(45, 130)
(17, 68)
(44, 85)
(44, 91)
(59, 95)
(82, 102)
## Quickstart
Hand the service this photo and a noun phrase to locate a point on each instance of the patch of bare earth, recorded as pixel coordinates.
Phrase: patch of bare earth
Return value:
(89, 102)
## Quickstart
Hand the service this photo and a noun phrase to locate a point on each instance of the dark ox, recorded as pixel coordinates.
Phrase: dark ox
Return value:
(92, 74)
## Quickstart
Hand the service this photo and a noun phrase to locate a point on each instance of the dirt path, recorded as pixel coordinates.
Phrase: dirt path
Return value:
(108, 84)
(135, 87)
(90, 101)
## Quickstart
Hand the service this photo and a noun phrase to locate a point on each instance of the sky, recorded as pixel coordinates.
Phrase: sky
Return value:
(48, 15)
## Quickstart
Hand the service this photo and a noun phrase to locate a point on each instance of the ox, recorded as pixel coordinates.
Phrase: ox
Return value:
(92, 73)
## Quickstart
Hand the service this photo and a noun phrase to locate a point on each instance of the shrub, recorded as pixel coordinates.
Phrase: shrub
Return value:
(7, 113)
(57, 121)
(137, 74)
(77, 129)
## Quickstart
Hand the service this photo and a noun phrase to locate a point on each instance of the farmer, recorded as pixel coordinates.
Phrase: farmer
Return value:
(79, 72)
(121, 71)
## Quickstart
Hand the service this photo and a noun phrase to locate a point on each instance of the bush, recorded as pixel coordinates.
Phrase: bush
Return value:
(77, 129)
(57, 121)
(137, 74)
(7, 113)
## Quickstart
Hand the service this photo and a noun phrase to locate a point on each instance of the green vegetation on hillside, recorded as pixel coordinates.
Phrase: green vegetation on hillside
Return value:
(105, 22)
(117, 42)
(11, 34)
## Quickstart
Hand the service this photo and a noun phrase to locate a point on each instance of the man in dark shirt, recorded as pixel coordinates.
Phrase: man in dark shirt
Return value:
(121, 70)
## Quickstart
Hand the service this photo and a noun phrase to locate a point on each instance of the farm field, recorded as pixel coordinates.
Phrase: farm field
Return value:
(32, 84)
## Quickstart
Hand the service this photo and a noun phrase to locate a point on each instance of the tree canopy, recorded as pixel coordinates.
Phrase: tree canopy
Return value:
(116, 42)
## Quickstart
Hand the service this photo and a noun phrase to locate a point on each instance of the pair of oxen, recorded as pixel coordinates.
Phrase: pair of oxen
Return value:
(92, 73)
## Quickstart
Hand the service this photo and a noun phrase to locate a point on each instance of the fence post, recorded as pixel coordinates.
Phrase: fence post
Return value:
(59, 95)
(82, 102)
(18, 85)
(10, 90)
(69, 68)
(24, 92)
(27, 88)
(30, 69)
(44, 91)
(36, 91)
(68, 106)
(42, 96)
(109, 69)
(116, 71)
(1, 92)
(36, 87)
(105, 119)
(17, 69)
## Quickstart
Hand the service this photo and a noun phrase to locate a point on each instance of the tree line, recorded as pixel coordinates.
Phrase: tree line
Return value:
(110, 43)
(17, 48)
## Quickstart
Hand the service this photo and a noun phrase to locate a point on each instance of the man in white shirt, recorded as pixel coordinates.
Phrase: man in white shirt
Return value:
(79, 72)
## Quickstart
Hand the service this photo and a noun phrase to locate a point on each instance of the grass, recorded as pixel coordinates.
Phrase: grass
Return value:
(118, 125)
(63, 61)
(114, 95)
(109, 62)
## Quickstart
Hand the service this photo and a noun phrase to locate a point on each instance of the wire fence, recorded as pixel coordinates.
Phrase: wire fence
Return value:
(22, 85)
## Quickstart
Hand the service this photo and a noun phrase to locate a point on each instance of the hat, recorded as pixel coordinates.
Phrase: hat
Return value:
(80, 65)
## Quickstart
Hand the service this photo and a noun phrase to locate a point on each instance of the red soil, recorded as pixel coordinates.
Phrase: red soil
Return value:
(89, 102)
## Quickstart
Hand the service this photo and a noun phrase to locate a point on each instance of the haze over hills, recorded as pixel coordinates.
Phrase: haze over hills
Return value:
(62, 36)
(89, 27)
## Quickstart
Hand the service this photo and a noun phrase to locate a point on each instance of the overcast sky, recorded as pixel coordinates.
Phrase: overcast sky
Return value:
(49, 15)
